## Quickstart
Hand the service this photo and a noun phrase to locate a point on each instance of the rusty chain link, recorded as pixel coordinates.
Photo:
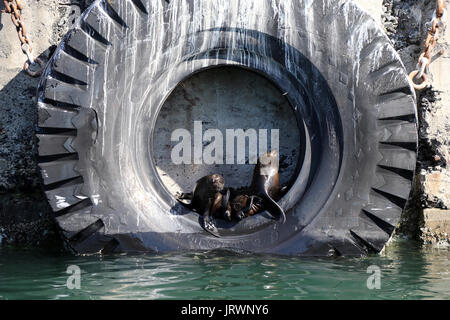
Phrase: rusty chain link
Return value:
(436, 26)
(14, 7)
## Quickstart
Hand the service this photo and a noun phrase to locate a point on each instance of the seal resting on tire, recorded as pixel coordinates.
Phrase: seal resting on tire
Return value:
(243, 206)
(207, 199)
(265, 187)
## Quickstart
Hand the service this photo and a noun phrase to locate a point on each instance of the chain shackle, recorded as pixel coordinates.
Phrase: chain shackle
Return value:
(436, 26)
(14, 7)
(423, 64)
(37, 73)
(424, 82)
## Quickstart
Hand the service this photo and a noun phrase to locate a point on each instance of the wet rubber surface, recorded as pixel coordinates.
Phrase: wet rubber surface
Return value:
(407, 272)
(353, 104)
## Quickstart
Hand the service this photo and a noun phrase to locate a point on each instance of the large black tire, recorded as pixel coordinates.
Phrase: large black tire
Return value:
(102, 91)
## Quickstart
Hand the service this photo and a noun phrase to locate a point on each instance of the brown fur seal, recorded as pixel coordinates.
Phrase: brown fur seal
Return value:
(243, 206)
(263, 191)
(207, 199)
(266, 183)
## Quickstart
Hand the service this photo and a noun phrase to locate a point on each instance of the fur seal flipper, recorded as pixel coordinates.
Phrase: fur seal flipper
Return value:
(274, 209)
(206, 220)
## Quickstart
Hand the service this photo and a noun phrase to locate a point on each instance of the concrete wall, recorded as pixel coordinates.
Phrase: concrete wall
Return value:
(427, 214)
(435, 131)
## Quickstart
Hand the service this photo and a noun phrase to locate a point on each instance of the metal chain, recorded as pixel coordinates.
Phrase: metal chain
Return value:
(435, 26)
(14, 7)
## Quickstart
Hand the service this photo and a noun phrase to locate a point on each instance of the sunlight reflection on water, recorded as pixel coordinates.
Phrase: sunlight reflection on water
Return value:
(407, 272)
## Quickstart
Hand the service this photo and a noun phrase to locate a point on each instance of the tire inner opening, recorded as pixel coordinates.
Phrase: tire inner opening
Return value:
(211, 102)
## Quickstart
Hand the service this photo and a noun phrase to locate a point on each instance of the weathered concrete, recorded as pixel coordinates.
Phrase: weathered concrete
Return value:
(436, 127)
(406, 23)
(436, 228)
(436, 186)
(437, 220)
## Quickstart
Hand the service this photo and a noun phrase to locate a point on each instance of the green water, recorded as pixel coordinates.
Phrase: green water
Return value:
(407, 272)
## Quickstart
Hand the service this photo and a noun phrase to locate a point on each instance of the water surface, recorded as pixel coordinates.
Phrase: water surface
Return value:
(408, 271)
